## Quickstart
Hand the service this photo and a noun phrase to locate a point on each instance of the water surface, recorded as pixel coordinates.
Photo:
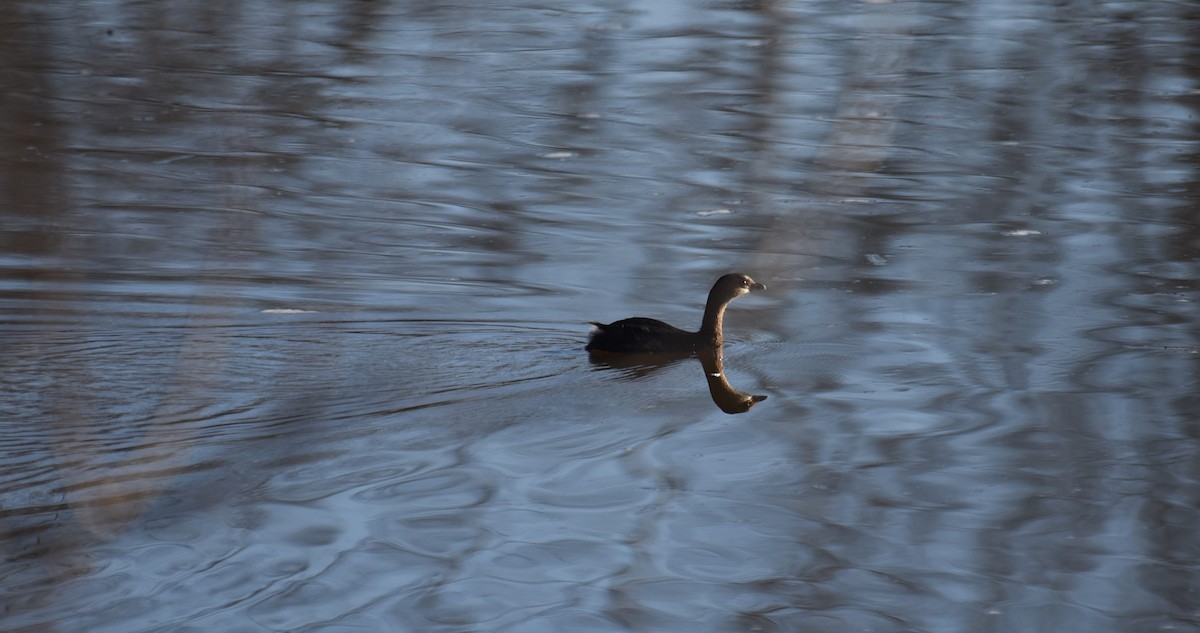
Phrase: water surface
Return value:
(293, 297)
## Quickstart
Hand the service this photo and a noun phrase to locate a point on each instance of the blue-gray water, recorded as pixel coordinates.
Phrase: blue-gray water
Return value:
(293, 297)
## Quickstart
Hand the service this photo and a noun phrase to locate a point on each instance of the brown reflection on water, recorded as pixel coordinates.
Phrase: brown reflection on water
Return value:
(727, 398)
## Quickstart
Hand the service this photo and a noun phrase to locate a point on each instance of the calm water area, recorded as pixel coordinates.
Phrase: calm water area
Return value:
(294, 294)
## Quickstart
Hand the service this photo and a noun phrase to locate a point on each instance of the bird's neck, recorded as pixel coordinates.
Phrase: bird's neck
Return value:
(711, 328)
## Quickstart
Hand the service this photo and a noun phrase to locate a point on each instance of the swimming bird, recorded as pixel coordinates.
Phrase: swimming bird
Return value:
(642, 335)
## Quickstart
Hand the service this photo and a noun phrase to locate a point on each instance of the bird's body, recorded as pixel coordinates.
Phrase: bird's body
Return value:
(640, 335)
(643, 335)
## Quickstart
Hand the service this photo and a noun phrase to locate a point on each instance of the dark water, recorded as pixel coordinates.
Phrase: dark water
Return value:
(293, 297)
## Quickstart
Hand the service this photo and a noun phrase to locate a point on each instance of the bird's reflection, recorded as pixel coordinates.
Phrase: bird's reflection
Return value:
(724, 395)
(727, 398)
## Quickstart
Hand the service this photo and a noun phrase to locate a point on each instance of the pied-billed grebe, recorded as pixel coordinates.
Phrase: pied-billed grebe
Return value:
(642, 335)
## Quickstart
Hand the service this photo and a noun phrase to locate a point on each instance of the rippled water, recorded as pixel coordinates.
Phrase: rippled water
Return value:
(293, 297)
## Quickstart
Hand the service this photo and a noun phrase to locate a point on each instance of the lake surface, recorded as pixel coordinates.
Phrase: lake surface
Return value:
(293, 300)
